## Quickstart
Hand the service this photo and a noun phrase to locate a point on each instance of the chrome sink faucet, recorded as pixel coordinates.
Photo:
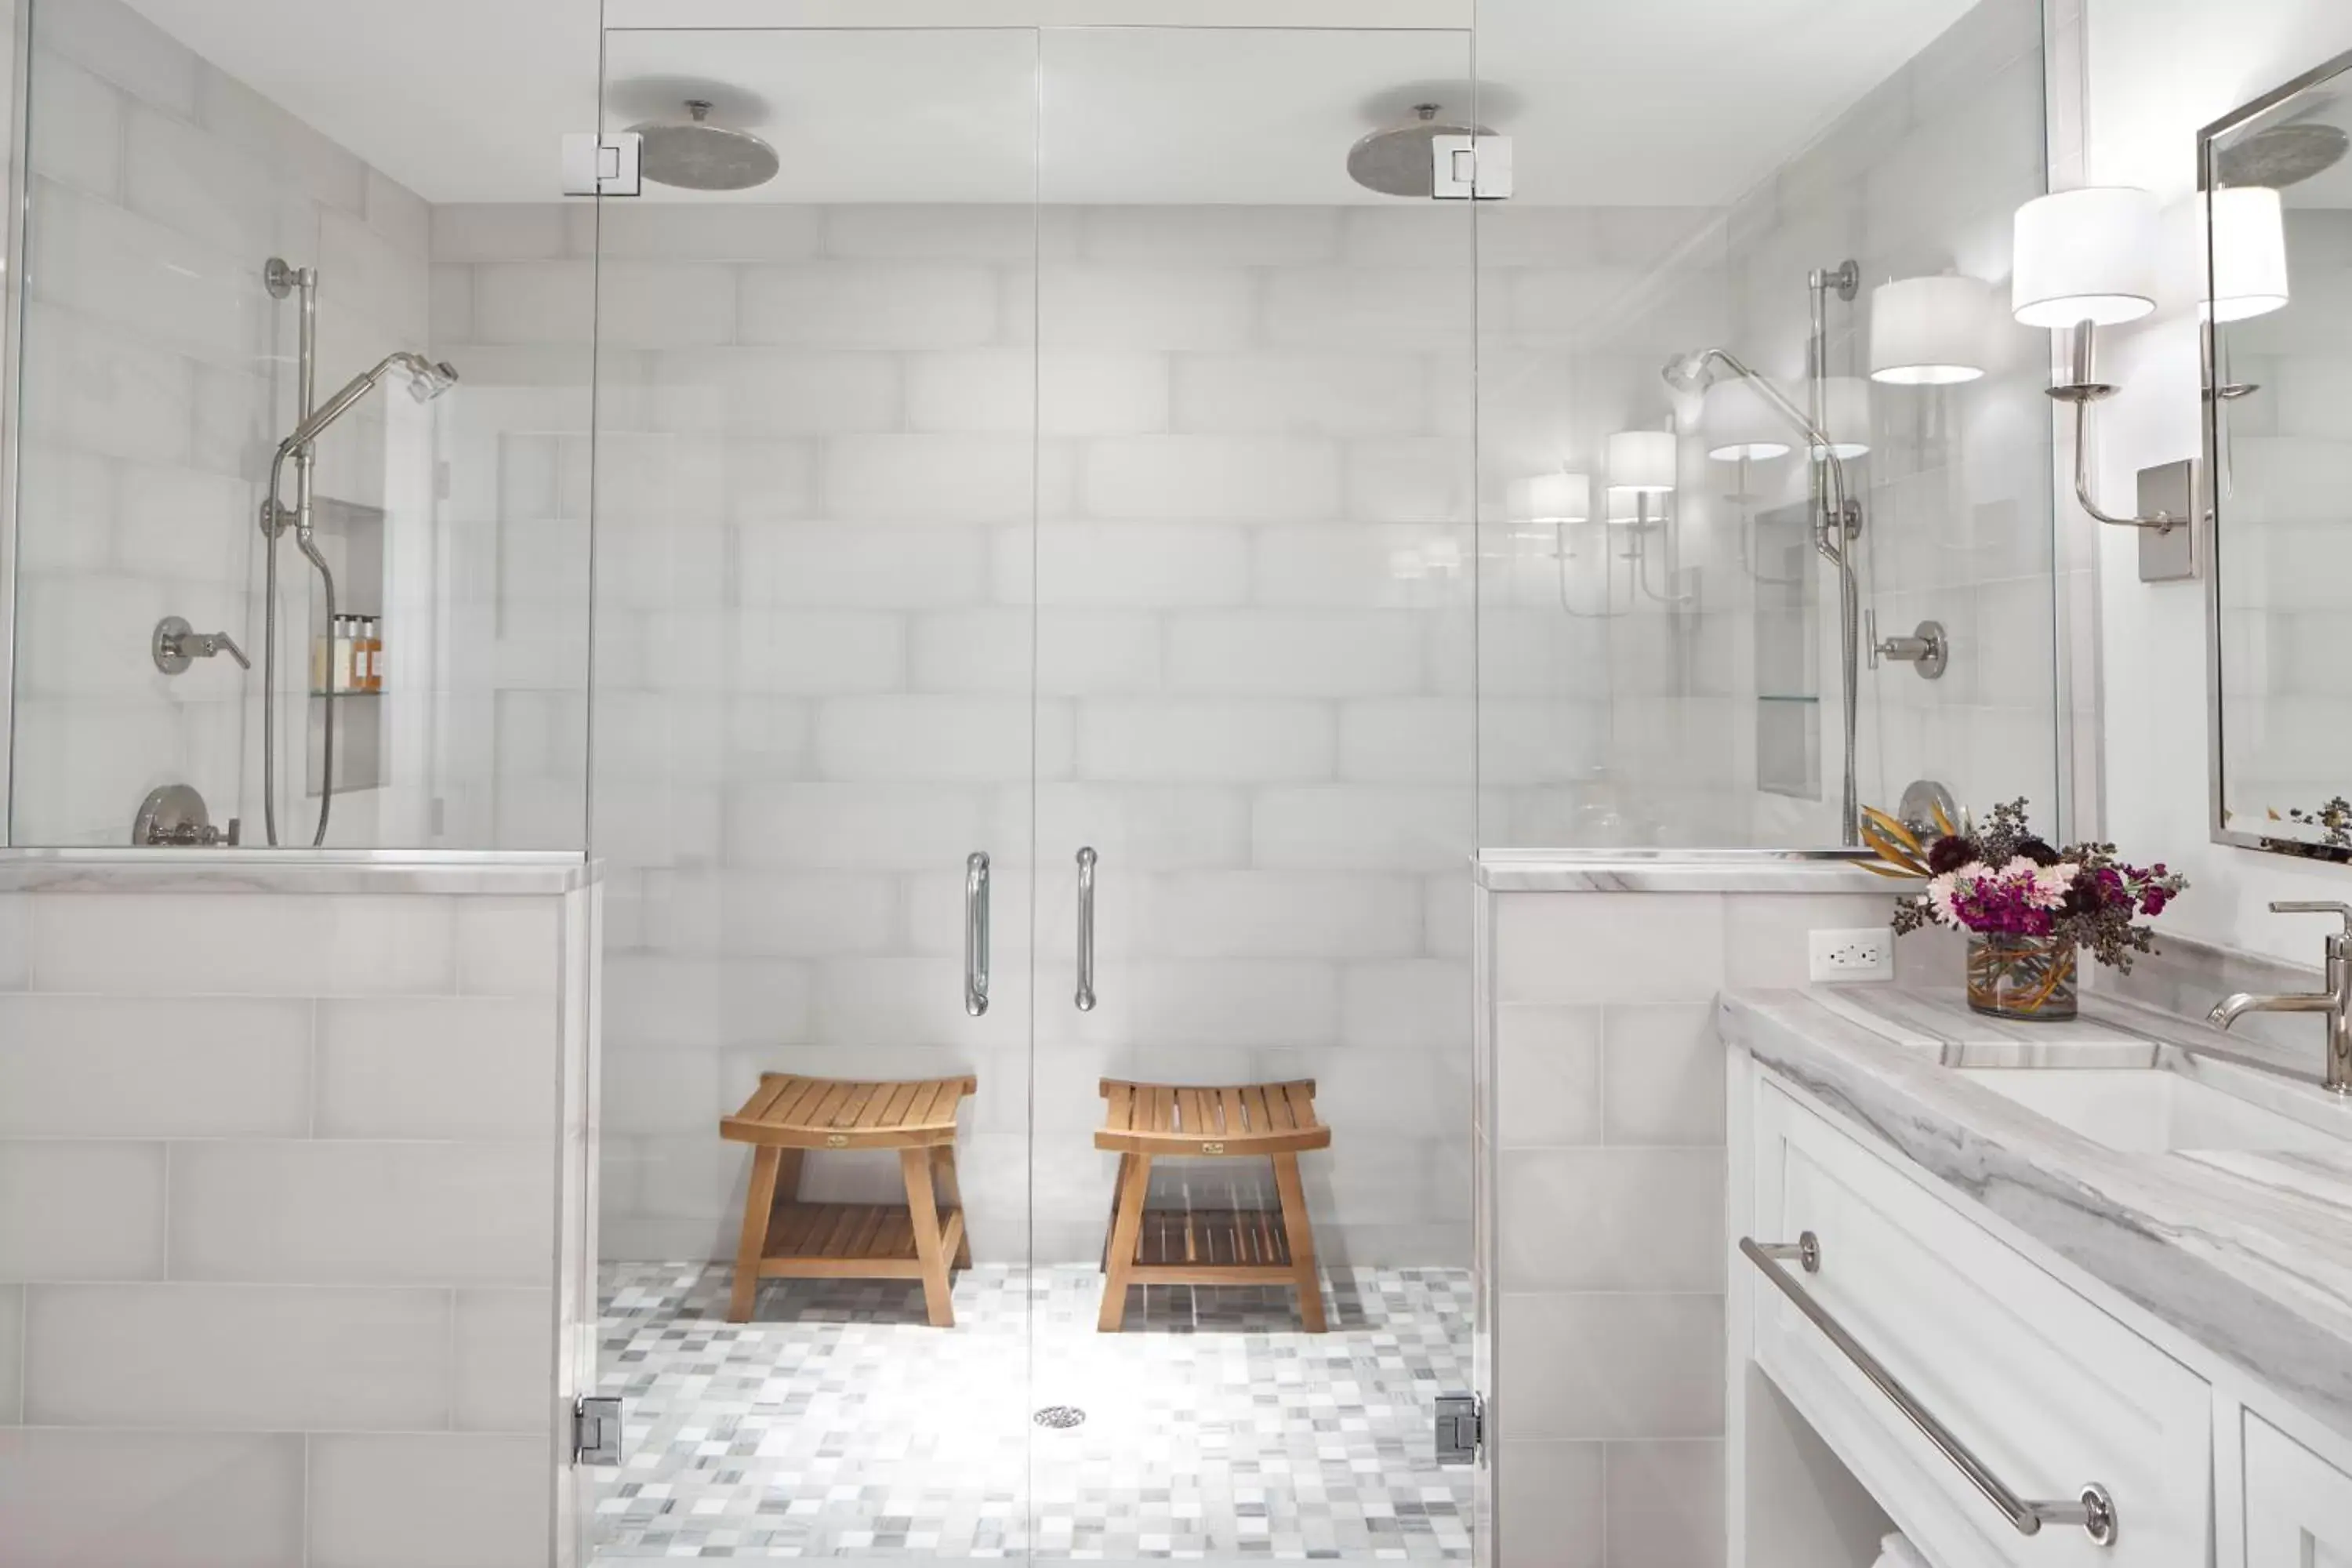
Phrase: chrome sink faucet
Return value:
(2335, 1001)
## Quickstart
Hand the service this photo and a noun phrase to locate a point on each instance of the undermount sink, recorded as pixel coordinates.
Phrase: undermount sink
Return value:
(2151, 1111)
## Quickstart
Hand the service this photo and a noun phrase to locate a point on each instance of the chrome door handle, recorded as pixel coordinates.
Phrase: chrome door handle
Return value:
(1086, 997)
(2091, 1508)
(975, 934)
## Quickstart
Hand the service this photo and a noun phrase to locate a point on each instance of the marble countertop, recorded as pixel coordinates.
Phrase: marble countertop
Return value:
(2249, 1255)
(519, 873)
(1679, 871)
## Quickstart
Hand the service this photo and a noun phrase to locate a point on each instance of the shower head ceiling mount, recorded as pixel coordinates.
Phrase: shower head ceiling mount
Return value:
(694, 154)
(1395, 159)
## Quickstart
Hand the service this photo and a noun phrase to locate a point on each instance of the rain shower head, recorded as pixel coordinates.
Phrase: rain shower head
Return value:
(696, 155)
(2281, 156)
(1397, 161)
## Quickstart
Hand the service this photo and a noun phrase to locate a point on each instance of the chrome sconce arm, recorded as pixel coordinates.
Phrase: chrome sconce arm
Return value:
(2082, 388)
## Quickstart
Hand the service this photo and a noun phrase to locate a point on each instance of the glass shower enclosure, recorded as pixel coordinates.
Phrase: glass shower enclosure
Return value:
(1044, 508)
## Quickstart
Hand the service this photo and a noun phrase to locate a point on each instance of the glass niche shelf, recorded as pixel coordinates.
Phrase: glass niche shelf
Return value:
(352, 535)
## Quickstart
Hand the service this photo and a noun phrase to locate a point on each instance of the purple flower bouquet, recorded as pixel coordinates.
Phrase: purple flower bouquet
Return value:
(2027, 907)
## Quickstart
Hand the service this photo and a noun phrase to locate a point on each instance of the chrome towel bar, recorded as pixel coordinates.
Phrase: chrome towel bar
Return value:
(2093, 1509)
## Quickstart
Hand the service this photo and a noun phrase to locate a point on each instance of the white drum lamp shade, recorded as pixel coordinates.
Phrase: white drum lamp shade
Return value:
(2248, 227)
(1739, 423)
(1927, 331)
(1642, 462)
(2088, 255)
(1552, 498)
(1846, 410)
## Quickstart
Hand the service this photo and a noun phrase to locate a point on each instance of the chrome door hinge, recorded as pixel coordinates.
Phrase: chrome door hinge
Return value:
(1470, 168)
(595, 1430)
(1461, 1428)
(597, 165)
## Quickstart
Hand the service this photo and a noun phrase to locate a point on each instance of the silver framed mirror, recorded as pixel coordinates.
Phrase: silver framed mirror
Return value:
(2274, 181)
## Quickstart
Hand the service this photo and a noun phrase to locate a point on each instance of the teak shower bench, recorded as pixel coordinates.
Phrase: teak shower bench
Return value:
(787, 1117)
(1212, 1247)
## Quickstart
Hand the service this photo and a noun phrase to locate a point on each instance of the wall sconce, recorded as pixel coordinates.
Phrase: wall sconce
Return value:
(2085, 260)
(1927, 332)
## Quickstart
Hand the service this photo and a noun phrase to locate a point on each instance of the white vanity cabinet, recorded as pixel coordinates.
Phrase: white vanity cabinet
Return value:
(2298, 1511)
(2048, 1394)
(1956, 1301)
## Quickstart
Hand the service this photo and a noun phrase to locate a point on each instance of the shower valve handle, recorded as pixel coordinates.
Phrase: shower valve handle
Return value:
(176, 644)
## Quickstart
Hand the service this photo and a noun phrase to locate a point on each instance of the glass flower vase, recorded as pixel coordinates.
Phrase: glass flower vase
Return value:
(2021, 976)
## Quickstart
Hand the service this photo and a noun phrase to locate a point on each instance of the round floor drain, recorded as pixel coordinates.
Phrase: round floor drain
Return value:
(1059, 1415)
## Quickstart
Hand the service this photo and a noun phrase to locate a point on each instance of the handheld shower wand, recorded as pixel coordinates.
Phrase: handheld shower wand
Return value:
(427, 380)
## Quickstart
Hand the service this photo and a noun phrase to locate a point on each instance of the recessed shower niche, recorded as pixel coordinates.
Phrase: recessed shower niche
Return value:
(346, 686)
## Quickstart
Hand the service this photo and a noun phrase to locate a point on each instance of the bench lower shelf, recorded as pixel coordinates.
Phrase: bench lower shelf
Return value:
(849, 1241)
(1212, 1246)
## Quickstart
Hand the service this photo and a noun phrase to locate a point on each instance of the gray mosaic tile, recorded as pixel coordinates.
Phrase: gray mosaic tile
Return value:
(838, 1423)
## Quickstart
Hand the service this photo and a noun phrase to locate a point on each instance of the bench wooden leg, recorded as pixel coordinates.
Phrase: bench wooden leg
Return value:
(759, 1204)
(1111, 1220)
(950, 1193)
(923, 1212)
(1126, 1232)
(1301, 1234)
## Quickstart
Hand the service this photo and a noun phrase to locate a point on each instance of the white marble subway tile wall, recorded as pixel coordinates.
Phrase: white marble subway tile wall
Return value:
(1607, 1140)
(157, 374)
(277, 1223)
(1243, 525)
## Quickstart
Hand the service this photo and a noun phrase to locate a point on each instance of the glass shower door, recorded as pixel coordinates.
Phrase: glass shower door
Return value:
(1254, 713)
(815, 497)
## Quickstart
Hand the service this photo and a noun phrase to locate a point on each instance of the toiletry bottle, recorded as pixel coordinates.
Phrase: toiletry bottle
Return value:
(340, 678)
(371, 655)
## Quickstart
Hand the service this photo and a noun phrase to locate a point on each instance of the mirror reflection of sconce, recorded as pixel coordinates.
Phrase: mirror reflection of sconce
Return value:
(1845, 419)
(1740, 426)
(1927, 332)
(1642, 466)
(2246, 227)
(1546, 506)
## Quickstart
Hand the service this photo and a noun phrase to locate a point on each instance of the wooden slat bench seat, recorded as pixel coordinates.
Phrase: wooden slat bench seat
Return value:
(786, 1117)
(1143, 1121)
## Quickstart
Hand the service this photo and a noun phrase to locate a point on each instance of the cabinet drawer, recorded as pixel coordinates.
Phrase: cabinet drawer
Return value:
(2046, 1390)
(2298, 1509)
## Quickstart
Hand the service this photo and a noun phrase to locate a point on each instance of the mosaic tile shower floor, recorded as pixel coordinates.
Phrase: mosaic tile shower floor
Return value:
(835, 1424)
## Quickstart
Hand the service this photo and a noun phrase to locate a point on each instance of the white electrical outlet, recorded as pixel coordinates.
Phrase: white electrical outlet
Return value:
(1867, 954)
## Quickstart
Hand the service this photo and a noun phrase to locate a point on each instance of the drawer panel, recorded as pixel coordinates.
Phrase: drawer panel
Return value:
(2046, 1389)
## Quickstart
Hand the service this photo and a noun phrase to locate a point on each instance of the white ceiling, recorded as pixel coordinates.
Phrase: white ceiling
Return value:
(1639, 102)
